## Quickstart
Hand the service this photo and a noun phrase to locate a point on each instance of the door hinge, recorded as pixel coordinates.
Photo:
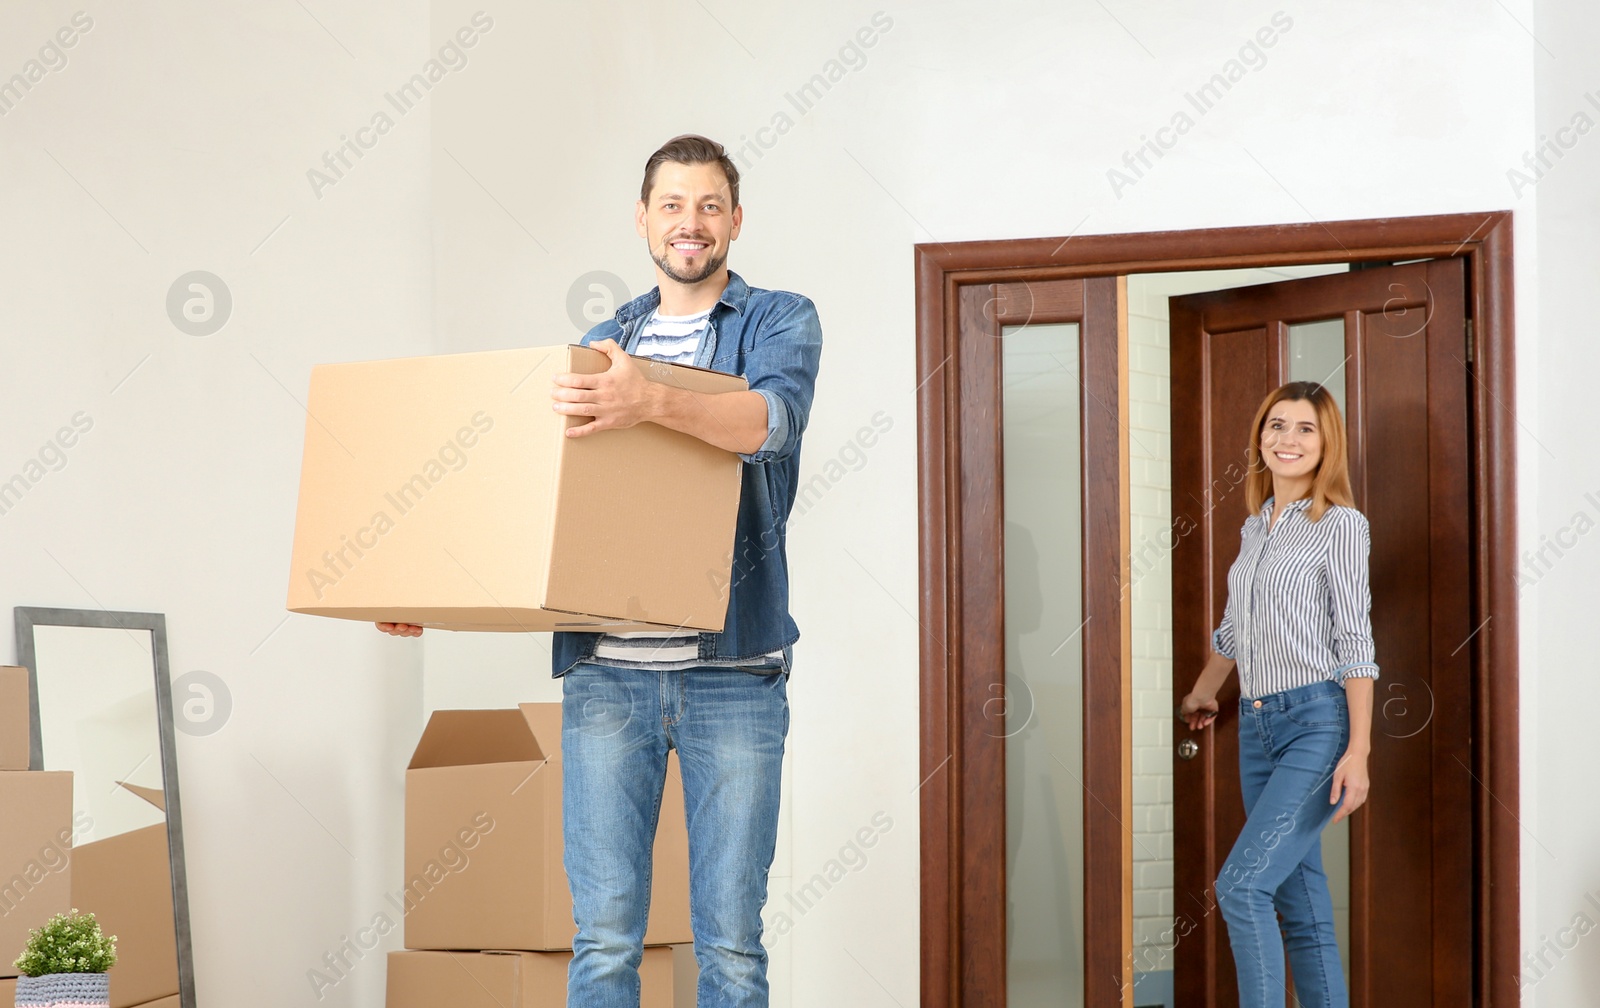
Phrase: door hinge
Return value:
(1469, 341)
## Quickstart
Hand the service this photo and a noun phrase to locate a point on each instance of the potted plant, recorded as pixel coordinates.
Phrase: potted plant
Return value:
(65, 963)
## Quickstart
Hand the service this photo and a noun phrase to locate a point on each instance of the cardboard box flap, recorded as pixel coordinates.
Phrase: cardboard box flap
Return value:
(544, 720)
(154, 796)
(691, 378)
(587, 360)
(470, 737)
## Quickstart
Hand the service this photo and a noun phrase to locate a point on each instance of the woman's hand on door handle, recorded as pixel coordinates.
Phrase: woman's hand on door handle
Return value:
(1198, 711)
(1200, 708)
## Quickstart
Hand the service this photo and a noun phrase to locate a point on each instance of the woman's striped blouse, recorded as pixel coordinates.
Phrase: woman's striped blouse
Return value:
(1298, 600)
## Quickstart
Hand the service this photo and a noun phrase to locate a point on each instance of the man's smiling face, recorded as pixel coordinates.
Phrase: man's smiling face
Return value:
(687, 221)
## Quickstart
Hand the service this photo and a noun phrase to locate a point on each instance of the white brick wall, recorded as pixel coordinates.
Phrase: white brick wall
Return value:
(1150, 446)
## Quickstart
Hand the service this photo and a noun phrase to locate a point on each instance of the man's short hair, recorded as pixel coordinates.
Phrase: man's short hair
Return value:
(691, 149)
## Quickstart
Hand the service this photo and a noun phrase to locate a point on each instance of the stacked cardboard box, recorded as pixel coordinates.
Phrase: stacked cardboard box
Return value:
(16, 731)
(35, 828)
(443, 491)
(507, 979)
(488, 914)
(126, 880)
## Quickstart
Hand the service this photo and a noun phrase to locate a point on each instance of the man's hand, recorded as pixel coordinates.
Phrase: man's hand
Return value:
(616, 398)
(400, 629)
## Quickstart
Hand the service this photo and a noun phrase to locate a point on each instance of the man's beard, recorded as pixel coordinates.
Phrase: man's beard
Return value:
(679, 276)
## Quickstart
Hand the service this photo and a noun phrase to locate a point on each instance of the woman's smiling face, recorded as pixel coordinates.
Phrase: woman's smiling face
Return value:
(1291, 442)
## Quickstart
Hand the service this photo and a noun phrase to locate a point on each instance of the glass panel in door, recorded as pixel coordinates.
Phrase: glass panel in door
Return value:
(1043, 697)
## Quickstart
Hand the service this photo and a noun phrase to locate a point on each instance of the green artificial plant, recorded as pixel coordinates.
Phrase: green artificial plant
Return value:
(68, 943)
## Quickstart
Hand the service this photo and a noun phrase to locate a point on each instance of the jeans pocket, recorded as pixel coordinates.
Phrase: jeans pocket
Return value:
(1322, 712)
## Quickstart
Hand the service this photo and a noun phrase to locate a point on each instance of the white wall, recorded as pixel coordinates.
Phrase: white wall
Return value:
(963, 121)
(177, 138)
(1558, 358)
(189, 129)
(1150, 533)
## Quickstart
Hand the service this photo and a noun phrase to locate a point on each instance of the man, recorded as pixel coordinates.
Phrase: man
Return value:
(718, 698)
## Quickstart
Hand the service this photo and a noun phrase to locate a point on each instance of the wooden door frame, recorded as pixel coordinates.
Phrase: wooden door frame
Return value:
(962, 813)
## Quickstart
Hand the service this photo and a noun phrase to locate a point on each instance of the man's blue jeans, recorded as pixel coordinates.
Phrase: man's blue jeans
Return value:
(617, 726)
(1288, 749)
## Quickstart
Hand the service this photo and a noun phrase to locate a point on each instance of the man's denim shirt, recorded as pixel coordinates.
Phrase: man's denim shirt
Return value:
(773, 339)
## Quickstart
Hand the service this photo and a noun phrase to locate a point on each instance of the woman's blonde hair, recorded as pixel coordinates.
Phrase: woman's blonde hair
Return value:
(1331, 483)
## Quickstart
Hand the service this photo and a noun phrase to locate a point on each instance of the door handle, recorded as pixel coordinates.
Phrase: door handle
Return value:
(1188, 749)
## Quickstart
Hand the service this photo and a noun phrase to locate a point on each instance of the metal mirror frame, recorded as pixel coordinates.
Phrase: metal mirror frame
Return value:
(28, 617)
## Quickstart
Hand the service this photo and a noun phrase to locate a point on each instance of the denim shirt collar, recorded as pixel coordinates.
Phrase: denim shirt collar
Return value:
(736, 295)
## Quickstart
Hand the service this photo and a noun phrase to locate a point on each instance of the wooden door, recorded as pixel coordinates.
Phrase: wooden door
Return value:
(1406, 383)
(972, 883)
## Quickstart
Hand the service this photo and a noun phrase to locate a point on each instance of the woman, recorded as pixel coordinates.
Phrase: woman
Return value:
(1297, 626)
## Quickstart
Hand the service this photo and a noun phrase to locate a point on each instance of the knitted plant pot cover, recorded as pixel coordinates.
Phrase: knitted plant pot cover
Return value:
(64, 990)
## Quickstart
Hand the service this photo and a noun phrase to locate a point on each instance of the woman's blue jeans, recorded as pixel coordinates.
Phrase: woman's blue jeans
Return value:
(1289, 745)
(617, 726)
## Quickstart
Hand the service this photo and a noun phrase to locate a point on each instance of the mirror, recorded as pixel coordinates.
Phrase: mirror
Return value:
(101, 707)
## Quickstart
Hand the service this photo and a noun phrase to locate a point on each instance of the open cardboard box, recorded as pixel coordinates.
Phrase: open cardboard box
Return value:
(483, 838)
(126, 881)
(36, 856)
(15, 731)
(442, 491)
(506, 979)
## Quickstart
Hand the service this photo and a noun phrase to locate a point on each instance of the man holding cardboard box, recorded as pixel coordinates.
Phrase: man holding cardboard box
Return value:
(718, 698)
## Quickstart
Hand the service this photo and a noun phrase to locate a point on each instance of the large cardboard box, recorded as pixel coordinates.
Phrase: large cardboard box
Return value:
(506, 979)
(126, 880)
(15, 707)
(483, 838)
(36, 866)
(442, 491)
